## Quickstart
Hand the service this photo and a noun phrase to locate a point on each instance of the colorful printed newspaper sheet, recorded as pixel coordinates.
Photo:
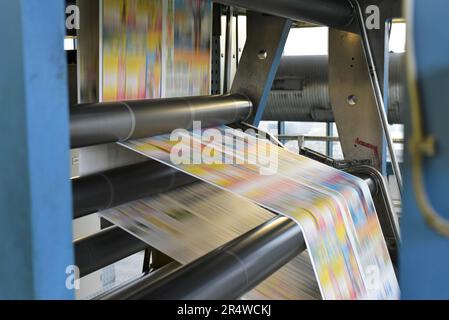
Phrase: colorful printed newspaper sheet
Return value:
(155, 49)
(192, 221)
(334, 209)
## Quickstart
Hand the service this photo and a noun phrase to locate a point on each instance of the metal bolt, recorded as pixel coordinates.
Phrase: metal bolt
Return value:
(262, 55)
(353, 99)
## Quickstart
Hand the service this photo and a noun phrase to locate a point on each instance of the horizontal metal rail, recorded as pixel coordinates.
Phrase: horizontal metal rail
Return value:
(322, 138)
(337, 14)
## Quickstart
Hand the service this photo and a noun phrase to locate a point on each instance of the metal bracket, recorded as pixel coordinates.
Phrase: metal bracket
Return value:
(377, 89)
(260, 59)
(358, 111)
(352, 98)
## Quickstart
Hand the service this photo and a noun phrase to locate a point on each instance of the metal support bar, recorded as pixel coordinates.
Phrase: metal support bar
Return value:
(216, 49)
(105, 248)
(330, 144)
(378, 95)
(228, 51)
(115, 187)
(322, 139)
(333, 13)
(100, 123)
(281, 130)
(159, 260)
(228, 272)
(379, 35)
(147, 261)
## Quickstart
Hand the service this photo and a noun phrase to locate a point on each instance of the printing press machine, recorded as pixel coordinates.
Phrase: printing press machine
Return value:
(266, 86)
(263, 250)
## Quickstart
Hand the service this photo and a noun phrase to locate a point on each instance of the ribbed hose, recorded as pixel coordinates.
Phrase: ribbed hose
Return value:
(301, 90)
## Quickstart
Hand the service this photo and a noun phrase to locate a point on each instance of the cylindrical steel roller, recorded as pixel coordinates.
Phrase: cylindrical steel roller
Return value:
(227, 272)
(301, 91)
(112, 188)
(337, 14)
(115, 187)
(100, 123)
(141, 282)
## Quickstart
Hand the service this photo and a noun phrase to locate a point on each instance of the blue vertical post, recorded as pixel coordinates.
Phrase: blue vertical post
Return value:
(35, 192)
(424, 261)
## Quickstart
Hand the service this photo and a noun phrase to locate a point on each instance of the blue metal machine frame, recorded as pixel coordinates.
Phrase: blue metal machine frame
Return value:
(35, 194)
(424, 253)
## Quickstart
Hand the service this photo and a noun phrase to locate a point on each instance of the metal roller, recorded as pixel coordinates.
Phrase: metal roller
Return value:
(138, 283)
(93, 124)
(228, 272)
(337, 14)
(112, 188)
(119, 186)
(301, 92)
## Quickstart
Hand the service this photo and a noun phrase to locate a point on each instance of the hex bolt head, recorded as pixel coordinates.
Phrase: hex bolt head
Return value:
(262, 55)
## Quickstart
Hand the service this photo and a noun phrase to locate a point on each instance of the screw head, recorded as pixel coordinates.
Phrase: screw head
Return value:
(262, 55)
(352, 99)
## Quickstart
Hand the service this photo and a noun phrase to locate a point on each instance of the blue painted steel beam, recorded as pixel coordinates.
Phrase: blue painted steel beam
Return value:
(35, 194)
(424, 263)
